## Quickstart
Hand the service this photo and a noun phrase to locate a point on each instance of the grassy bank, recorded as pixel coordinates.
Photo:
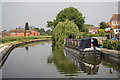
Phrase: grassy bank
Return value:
(10, 39)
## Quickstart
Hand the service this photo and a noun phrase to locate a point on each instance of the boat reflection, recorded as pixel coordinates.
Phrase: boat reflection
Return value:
(86, 64)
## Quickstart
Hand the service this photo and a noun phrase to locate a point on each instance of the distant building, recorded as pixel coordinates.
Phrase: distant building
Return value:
(93, 30)
(23, 32)
(116, 29)
(108, 29)
(4, 33)
(116, 36)
(31, 27)
(114, 21)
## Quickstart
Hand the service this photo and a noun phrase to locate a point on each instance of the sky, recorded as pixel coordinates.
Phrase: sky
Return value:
(15, 14)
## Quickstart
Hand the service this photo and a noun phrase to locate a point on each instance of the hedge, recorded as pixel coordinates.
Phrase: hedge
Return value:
(111, 44)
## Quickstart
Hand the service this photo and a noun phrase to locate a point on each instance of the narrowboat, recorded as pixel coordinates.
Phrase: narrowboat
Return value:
(83, 45)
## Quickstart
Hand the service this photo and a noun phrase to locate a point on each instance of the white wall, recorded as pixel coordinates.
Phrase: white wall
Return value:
(116, 31)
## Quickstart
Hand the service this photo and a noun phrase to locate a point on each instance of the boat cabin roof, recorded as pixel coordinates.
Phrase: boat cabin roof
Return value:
(87, 38)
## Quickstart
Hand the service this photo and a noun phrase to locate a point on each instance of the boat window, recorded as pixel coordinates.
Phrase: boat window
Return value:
(95, 43)
(88, 43)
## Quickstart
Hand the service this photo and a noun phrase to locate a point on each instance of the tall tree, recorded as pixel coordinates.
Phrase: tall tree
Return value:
(49, 32)
(85, 28)
(26, 26)
(64, 30)
(103, 25)
(70, 13)
(36, 29)
(42, 31)
(90, 25)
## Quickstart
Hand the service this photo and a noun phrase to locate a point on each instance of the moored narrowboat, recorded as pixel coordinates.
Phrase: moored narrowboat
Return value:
(83, 45)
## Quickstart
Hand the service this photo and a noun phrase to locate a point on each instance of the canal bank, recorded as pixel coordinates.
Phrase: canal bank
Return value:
(46, 60)
(6, 51)
(114, 54)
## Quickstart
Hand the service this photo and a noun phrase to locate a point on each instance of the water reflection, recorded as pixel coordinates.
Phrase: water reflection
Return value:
(27, 48)
(86, 64)
(71, 64)
(46, 61)
(62, 63)
(109, 62)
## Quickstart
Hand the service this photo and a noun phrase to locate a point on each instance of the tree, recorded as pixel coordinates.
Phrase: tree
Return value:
(64, 30)
(103, 25)
(42, 31)
(85, 28)
(49, 32)
(36, 29)
(90, 25)
(101, 32)
(72, 14)
(26, 26)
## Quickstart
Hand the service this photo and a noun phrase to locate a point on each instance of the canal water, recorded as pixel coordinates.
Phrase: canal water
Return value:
(45, 60)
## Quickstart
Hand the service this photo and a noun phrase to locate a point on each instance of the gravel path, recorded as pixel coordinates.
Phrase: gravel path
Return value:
(1, 49)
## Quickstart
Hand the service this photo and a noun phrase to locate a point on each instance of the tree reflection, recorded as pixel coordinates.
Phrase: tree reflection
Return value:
(87, 64)
(69, 63)
(62, 63)
(27, 48)
(109, 62)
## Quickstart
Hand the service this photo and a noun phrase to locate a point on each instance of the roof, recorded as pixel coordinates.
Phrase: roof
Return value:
(17, 30)
(115, 17)
(117, 26)
(88, 38)
(93, 27)
(3, 33)
(21, 30)
(28, 30)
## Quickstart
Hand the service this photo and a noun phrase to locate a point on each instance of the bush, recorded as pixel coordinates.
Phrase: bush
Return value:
(105, 43)
(118, 45)
(111, 44)
(114, 45)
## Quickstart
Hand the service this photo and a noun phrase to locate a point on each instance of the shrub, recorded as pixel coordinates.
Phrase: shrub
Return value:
(111, 44)
(114, 45)
(118, 45)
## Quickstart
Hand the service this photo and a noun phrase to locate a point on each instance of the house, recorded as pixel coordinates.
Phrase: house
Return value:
(108, 29)
(23, 32)
(114, 21)
(115, 36)
(116, 29)
(93, 30)
(17, 32)
(4, 33)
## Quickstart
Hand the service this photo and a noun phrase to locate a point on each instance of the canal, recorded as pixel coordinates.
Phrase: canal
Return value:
(44, 60)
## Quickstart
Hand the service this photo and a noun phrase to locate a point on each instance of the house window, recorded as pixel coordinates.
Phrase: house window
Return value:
(13, 33)
(19, 32)
(114, 22)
